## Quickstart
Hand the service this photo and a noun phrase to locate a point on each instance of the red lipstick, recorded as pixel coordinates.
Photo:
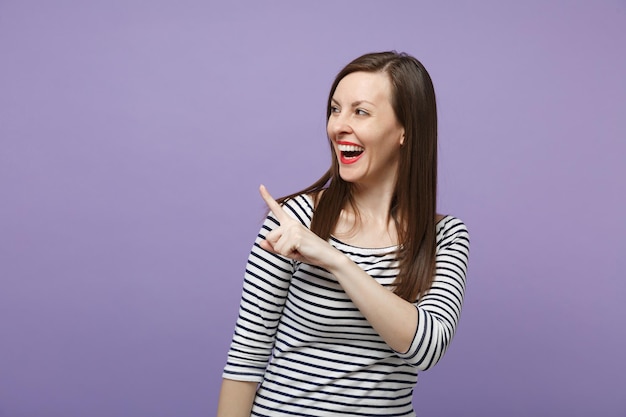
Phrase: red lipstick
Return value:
(349, 152)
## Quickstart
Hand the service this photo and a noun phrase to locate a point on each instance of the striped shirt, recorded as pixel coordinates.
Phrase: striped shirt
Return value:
(314, 353)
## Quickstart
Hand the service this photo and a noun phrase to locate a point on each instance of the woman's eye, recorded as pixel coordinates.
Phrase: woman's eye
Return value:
(334, 109)
(361, 112)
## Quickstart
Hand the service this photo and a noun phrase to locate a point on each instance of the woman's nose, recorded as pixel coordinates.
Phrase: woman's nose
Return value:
(338, 125)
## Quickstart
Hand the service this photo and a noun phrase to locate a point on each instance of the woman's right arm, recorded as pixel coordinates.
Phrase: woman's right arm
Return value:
(236, 398)
(266, 284)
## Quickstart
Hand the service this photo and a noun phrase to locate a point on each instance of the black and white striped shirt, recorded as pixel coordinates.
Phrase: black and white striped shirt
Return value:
(314, 353)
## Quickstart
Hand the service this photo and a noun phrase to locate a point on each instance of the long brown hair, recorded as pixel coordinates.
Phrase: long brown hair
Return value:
(413, 205)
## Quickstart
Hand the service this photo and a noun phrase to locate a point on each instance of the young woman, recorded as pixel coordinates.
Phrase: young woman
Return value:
(355, 283)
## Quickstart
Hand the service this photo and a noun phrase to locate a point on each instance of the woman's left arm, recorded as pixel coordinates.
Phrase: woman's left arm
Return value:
(439, 309)
(395, 319)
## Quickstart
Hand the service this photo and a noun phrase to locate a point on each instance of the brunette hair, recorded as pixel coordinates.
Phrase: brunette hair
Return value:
(413, 205)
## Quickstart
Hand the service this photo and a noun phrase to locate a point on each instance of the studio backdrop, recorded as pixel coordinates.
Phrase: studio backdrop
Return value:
(134, 136)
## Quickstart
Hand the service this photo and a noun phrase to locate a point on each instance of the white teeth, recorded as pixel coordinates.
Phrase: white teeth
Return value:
(349, 148)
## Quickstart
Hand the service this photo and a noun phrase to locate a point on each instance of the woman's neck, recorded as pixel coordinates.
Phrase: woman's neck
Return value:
(373, 202)
(368, 223)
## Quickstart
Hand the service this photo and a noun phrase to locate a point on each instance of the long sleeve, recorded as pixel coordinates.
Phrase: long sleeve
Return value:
(440, 308)
(265, 286)
(266, 283)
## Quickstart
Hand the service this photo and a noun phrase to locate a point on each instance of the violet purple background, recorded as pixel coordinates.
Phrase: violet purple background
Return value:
(134, 135)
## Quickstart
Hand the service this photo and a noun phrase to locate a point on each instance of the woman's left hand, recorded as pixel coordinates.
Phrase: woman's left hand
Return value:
(394, 318)
(292, 239)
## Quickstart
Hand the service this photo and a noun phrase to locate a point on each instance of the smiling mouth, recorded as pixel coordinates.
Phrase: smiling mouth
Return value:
(349, 153)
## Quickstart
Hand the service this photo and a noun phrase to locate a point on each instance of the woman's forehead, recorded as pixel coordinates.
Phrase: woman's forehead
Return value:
(364, 86)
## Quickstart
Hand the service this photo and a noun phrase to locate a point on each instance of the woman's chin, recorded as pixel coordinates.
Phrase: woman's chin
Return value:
(348, 176)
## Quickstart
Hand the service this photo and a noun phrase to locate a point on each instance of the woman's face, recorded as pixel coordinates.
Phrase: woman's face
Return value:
(364, 130)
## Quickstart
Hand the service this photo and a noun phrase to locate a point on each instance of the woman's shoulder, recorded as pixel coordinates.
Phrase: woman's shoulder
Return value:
(299, 199)
(450, 227)
(300, 207)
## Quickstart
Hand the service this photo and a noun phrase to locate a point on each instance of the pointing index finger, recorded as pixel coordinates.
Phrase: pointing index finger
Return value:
(273, 204)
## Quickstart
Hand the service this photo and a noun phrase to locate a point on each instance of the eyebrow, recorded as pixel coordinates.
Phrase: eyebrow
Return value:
(355, 103)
